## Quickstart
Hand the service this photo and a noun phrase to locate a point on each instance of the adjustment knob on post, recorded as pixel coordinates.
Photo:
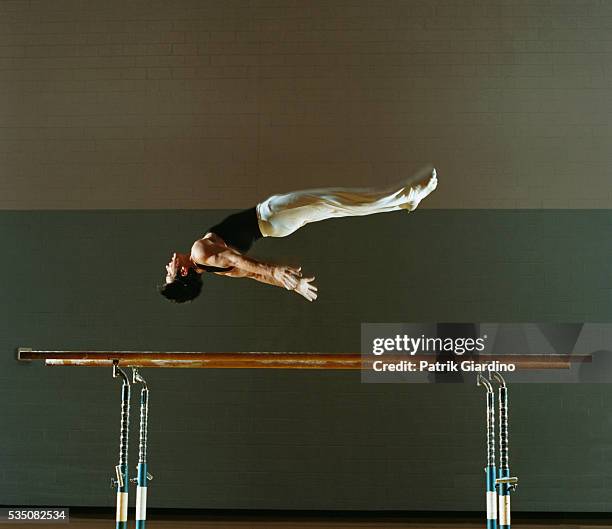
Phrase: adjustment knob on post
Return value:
(511, 482)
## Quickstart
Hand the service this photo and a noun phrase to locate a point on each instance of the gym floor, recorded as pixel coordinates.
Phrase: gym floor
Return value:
(93, 519)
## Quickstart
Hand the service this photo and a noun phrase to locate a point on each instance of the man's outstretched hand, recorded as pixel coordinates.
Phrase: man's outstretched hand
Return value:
(287, 276)
(291, 278)
(305, 289)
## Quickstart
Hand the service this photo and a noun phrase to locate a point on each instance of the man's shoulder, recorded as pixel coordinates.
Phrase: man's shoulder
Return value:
(208, 245)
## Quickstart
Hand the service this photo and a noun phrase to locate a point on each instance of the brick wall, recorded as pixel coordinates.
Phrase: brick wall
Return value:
(200, 104)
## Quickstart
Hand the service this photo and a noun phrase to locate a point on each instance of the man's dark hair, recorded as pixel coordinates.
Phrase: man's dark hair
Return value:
(183, 288)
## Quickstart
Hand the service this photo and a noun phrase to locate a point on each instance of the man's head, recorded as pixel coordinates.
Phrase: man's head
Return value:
(183, 283)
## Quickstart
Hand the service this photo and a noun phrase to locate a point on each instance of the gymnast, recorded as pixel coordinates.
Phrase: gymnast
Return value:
(222, 250)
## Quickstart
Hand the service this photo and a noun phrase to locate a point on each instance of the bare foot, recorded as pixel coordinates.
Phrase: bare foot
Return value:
(419, 189)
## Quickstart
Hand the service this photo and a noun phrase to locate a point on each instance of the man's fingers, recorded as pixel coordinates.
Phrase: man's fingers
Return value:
(309, 295)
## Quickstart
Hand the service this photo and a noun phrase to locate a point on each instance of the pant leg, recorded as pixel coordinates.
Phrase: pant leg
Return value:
(281, 215)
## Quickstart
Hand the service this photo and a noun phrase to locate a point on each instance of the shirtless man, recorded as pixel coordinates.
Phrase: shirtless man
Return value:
(222, 250)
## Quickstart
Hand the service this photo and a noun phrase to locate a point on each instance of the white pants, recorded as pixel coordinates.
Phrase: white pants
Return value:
(281, 215)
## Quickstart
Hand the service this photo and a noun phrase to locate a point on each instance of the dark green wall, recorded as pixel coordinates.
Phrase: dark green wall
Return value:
(270, 439)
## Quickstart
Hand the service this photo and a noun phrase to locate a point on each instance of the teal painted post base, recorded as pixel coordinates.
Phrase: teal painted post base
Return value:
(504, 500)
(491, 493)
(122, 500)
(141, 496)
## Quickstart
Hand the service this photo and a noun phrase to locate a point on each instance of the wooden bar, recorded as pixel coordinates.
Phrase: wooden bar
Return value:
(269, 360)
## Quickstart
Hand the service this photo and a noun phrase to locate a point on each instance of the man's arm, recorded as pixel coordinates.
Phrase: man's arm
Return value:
(303, 288)
(206, 252)
(222, 256)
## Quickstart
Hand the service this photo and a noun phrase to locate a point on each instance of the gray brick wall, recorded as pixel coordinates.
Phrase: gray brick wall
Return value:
(202, 104)
(257, 439)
